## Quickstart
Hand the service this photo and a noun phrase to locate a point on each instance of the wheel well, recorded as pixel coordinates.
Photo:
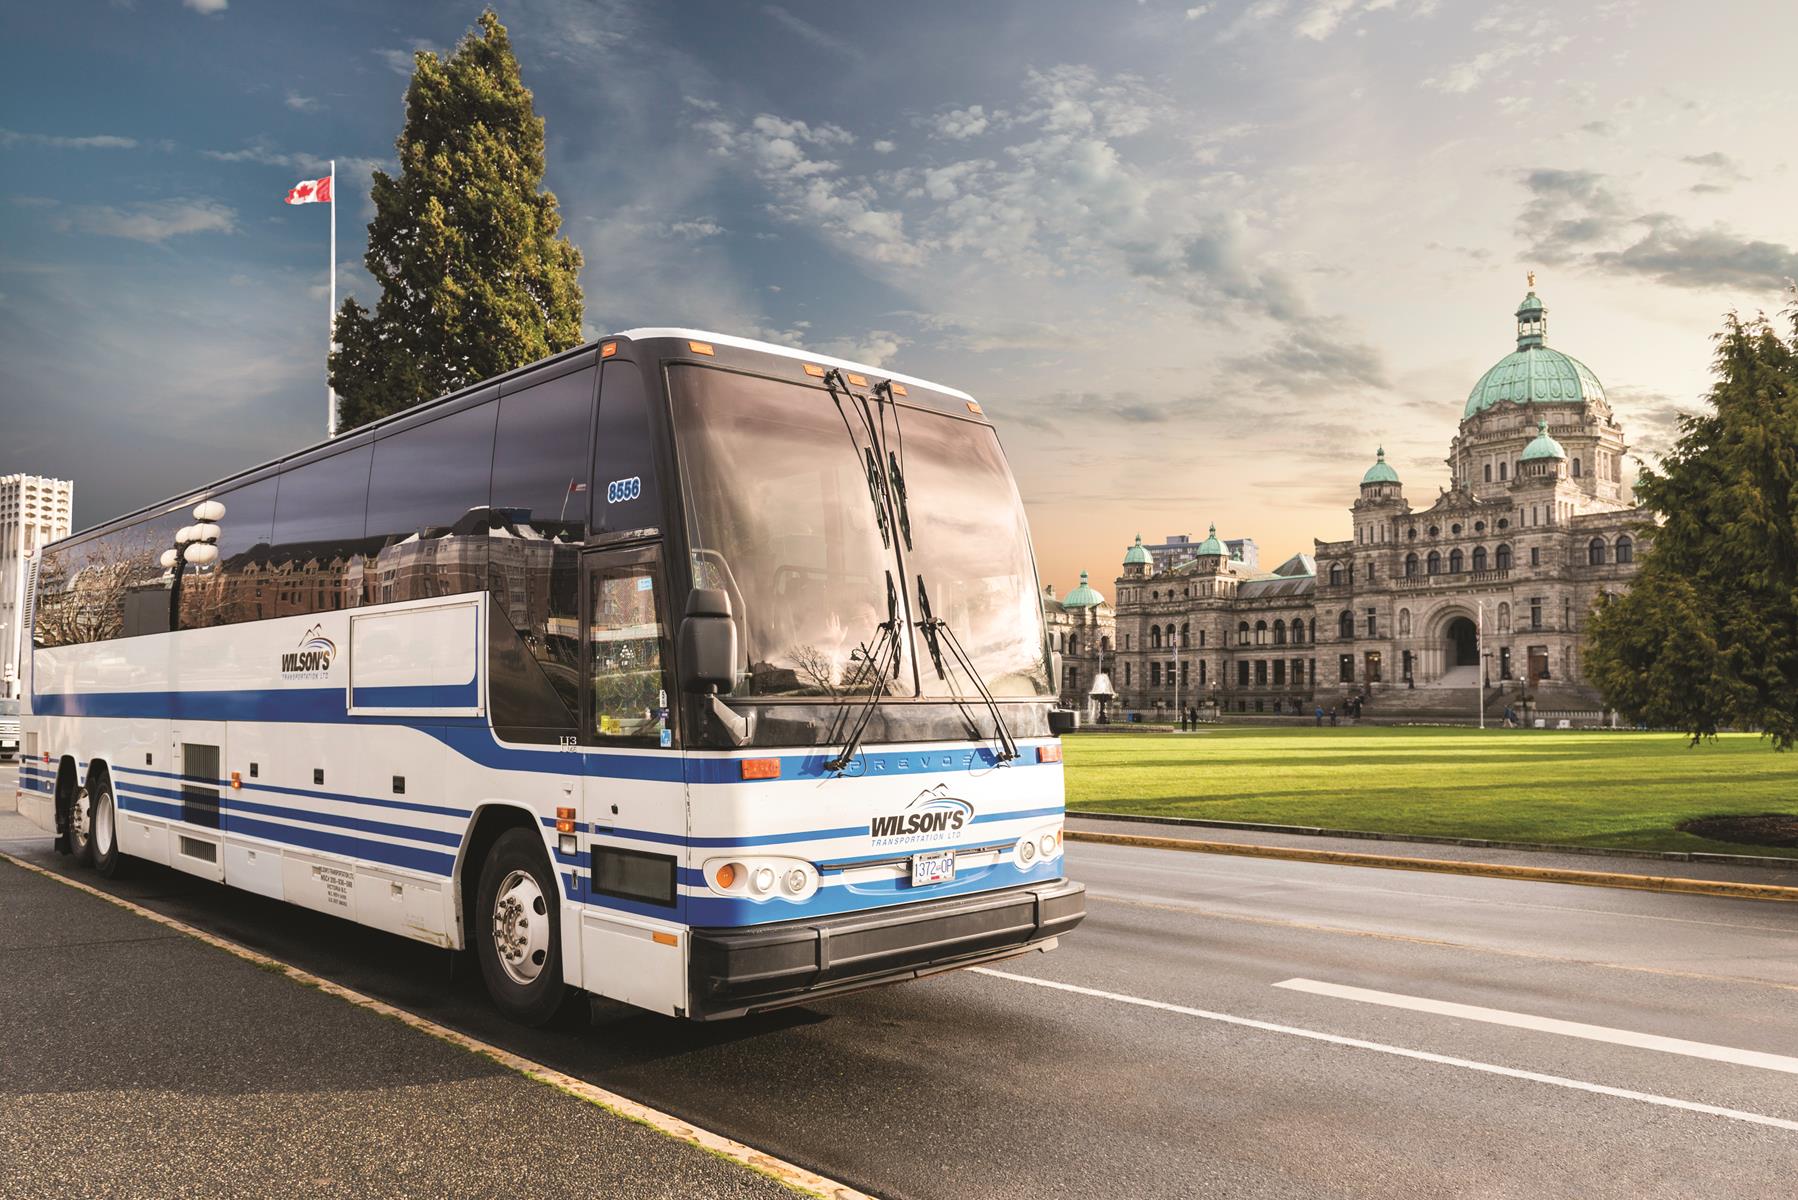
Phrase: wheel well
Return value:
(98, 772)
(489, 823)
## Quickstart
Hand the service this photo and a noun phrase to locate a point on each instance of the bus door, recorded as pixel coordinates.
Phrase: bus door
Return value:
(635, 793)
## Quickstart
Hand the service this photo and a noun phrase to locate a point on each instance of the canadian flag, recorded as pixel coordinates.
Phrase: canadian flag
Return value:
(311, 191)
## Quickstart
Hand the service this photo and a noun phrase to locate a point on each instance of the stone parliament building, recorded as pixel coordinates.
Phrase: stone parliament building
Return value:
(1487, 587)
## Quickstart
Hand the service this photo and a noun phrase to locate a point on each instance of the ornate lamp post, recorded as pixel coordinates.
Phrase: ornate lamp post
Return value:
(195, 545)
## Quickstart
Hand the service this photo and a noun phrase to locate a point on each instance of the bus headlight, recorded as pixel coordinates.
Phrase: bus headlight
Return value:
(762, 878)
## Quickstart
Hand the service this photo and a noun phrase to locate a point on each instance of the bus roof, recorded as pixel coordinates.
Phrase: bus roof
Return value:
(423, 406)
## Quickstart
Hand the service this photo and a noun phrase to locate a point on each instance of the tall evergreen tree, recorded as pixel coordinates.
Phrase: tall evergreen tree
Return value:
(475, 279)
(1707, 636)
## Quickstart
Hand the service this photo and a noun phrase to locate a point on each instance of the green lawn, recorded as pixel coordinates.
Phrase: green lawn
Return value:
(1589, 788)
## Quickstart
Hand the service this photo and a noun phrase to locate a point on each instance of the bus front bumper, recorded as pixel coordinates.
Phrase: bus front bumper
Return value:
(737, 971)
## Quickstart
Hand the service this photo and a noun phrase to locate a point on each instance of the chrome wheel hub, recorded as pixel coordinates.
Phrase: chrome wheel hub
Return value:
(79, 829)
(521, 927)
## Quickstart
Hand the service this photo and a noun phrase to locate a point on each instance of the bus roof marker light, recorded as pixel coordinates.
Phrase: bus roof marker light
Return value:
(814, 370)
(899, 389)
(608, 350)
(701, 348)
(858, 381)
(760, 768)
(1049, 754)
(974, 407)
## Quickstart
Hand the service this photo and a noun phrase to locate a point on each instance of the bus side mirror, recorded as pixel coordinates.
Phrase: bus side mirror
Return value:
(708, 643)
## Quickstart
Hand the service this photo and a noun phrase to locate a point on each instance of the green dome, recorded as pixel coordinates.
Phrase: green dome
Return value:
(1544, 446)
(1137, 553)
(1082, 596)
(1211, 545)
(1380, 472)
(1533, 373)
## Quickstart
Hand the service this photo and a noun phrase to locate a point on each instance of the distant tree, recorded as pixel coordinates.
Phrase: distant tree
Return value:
(1707, 635)
(475, 279)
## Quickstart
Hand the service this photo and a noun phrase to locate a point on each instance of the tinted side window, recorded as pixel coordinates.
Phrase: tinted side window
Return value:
(319, 556)
(236, 588)
(538, 521)
(626, 498)
(427, 508)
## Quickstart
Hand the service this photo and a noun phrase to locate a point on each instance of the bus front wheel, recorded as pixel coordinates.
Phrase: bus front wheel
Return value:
(517, 931)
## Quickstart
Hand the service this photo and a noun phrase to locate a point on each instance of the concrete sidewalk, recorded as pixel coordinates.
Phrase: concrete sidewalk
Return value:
(139, 1061)
(1785, 875)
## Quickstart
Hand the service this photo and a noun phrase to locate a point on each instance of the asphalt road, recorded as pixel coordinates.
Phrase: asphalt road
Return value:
(1201, 1035)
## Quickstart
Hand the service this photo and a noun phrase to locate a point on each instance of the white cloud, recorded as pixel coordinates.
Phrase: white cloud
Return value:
(1197, 11)
(101, 141)
(153, 222)
(962, 123)
(206, 6)
(1323, 18)
(301, 103)
(694, 231)
(811, 33)
(883, 146)
(401, 61)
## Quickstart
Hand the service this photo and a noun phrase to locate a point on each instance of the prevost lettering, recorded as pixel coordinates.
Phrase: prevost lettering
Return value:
(906, 824)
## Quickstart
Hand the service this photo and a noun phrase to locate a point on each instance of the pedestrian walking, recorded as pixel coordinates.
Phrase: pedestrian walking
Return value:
(1320, 716)
(1332, 716)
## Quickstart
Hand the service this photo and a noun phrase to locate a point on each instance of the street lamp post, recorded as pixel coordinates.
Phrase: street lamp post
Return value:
(195, 545)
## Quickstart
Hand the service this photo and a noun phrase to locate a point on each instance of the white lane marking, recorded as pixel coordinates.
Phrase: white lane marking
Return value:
(1578, 1029)
(1282, 885)
(1333, 1039)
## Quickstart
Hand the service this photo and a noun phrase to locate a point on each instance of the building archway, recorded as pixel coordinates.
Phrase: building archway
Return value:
(1463, 648)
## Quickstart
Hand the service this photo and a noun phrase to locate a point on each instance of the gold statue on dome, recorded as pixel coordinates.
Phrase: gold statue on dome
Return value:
(1531, 276)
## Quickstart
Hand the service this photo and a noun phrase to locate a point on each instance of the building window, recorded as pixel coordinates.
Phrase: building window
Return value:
(1455, 561)
(1201, 639)
(1261, 672)
(1535, 612)
(1479, 558)
(1242, 633)
(1261, 633)
(1126, 674)
(1504, 557)
(1576, 468)
(1242, 674)
(1433, 564)
(1488, 472)
(1155, 637)
(1345, 668)
(1370, 572)
(1626, 552)
(1372, 631)
(1126, 641)
(1185, 636)
(1335, 574)
(1535, 556)
(1279, 633)
(1345, 625)
(1595, 552)
(1279, 672)
(1154, 674)
(1186, 673)
(1201, 672)
(1073, 681)
(1501, 472)
(1410, 566)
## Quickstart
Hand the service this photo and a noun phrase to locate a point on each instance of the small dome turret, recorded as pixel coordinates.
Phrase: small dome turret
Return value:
(1137, 555)
(1380, 472)
(1543, 446)
(1211, 546)
(1083, 596)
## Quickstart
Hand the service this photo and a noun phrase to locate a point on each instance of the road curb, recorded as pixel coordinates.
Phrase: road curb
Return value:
(1370, 835)
(795, 1177)
(1443, 866)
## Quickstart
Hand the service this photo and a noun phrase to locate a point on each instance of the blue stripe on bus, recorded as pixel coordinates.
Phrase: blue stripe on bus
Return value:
(428, 861)
(451, 695)
(773, 839)
(473, 738)
(230, 803)
(344, 797)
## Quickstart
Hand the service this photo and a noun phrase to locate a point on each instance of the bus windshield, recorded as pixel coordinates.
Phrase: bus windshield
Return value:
(779, 516)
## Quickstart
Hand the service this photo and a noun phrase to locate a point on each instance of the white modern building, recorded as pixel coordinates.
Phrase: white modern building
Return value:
(34, 511)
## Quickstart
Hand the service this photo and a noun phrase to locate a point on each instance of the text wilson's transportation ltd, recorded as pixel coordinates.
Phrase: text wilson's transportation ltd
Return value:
(682, 669)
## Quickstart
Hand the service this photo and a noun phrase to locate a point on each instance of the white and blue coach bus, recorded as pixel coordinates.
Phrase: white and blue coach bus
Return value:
(685, 670)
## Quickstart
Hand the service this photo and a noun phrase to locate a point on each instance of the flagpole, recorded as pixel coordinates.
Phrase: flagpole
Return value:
(331, 317)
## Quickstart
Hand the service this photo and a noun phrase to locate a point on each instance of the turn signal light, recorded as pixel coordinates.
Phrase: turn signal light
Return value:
(564, 820)
(727, 875)
(666, 939)
(236, 779)
(700, 347)
(761, 768)
(1046, 754)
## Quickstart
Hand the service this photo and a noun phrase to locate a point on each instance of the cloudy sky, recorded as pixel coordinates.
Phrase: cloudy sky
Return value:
(1198, 259)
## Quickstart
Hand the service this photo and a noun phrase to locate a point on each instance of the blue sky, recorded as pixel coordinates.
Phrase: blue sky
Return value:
(1198, 259)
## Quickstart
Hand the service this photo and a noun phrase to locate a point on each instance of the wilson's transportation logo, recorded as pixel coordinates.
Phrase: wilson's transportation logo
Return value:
(313, 659)
(934, 816)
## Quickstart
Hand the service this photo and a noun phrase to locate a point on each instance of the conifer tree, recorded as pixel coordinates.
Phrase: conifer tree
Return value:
(475, 278)
(1707, 636)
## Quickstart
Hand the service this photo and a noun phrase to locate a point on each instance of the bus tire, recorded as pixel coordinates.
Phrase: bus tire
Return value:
(103, 837)
(81, 828)
(517, 929)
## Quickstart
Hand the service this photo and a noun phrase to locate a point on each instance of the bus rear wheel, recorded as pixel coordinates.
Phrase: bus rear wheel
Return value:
(517, 929)
(104, 836)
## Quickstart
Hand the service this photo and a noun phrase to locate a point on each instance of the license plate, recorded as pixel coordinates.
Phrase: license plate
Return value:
(937, 867)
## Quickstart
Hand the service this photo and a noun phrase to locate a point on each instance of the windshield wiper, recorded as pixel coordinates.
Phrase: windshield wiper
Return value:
(935, 628)
(895, 462)
(833, 378)
(882, 660)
